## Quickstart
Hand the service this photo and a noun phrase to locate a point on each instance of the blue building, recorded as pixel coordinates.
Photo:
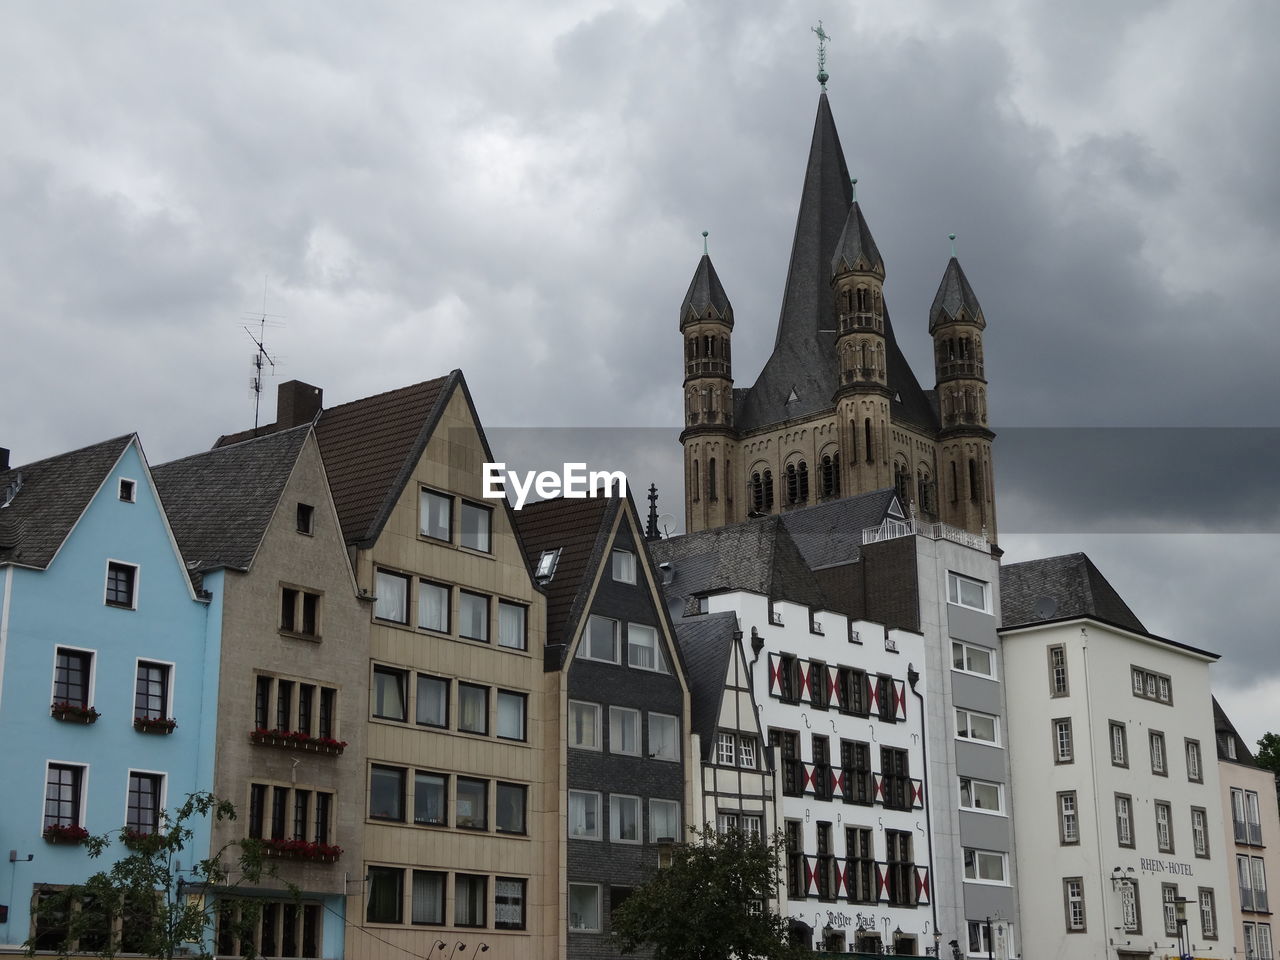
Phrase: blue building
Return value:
(104, 670)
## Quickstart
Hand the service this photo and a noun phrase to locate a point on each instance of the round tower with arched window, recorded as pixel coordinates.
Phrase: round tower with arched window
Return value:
(706, 323)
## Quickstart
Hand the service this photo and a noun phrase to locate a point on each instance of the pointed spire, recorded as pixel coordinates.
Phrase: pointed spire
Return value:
(706, 292)
(954, 295)
(857, 249)
(651, 527)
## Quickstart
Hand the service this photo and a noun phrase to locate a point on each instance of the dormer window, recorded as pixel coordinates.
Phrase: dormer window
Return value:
(547, 564)
(128, 490)
(624, 566)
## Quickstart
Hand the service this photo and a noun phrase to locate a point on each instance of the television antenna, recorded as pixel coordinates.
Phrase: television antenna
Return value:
(261, 360)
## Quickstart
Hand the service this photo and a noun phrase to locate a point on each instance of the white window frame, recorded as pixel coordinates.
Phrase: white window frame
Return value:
(1064, 748)
(171, 678)
(999, 810)
(747, 752)
(659, 661)
(955, 595)
(616, 800)
(995, 726)
(1069, 818)
(1074, 925)
(546, 567)
(675, 740)
(1163, 812)
(594, 799)
(1199, 832)
(622, 565)
(616, 715)
(582, 927)
(81, 801)
(1195, 760)
(979, 855)
(593, 708)
(671, 806)
(132, 496)
(137, 584)
(1126, 820)
(1120, 759)
(726, 749)
(964, 649)
(93, 672)
(162, 800)
(585, 645)
(1159, 755)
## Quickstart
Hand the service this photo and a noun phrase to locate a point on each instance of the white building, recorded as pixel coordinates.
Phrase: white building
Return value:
(1114, 782)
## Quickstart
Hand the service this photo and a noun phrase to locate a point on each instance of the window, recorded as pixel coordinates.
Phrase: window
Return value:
(432, 705)
(584, 725)
(471, 812)
(476, 521)
(726, 749)
(643, 650)
(392, 601)
(145, 802)
(1194, 773)
(473, 708)
(547, 564)
(747, 752)
(127, 491)
(1158, 765)
(967, 592)
(1208, 914)
(860, 871)
(1168, 898)
(473, 616)
(1063, 748)
(1119, 744)
(122, 582)
(388, 693)
(386, 793)
(512, 626)
(664, 820)
(470, 896)
(72, 671)
(970, 659)
(624, 731)
(900, 868)
(896, 777)
(664, 737)
(1200, 831)
(1164, 831)
(1253, 819)
(584, 815)
(428, 897)
(851, 690)
(984, 866)
(981, 795)
(299, 612)
(306, 515)
(386, 895)
(584, 907)
(1151, 686)
(726, 822)
(511, 715)
(1058, 686)
(511, 801)
(433, 606)
(788, 744)
(435, 514)
(624, 819)
(979, 943)
(1073, 900)
(1244, 881)
(624, 566)
(601, 641)
(1068, 820)
(63, 795)
(977, 726)
(151, 691)
(1259, 870)
(508, 903)
(1124, 820)
(431, 798)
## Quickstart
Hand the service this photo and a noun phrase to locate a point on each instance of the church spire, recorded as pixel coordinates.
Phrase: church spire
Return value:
(954, 298)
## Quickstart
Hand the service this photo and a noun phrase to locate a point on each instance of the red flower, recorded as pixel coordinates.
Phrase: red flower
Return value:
(69, 832)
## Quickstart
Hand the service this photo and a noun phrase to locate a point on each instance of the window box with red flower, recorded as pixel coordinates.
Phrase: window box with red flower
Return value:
(297, 740)
(302, 850)
(154, 724)
(73, 712)
(65, 833)
(140, 841)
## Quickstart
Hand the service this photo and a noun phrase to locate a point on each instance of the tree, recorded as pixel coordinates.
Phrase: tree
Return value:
(711, 903)
(144, 903)
(1268, 754)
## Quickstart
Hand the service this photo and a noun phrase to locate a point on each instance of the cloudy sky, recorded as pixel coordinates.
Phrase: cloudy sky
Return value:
(518, 189)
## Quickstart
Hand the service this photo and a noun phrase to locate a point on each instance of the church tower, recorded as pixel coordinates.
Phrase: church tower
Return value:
(706, 323)
(956, 324)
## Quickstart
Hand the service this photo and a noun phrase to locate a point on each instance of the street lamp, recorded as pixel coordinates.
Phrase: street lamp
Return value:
(1180, 912)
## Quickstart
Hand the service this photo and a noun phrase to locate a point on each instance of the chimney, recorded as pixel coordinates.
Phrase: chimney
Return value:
(297, 403)
(4, 458)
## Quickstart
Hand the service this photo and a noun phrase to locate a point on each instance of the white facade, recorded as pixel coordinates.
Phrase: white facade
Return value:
(1116, 788)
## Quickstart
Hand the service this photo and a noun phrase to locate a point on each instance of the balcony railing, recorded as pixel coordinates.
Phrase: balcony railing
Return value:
(892, 529)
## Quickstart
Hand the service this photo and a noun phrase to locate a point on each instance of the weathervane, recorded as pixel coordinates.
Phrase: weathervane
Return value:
(823, 37)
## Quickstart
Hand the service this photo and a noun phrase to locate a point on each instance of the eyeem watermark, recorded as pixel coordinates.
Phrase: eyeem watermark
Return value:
(574, 482)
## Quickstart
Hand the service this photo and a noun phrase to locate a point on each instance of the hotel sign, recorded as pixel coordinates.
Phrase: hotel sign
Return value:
(1174, 867)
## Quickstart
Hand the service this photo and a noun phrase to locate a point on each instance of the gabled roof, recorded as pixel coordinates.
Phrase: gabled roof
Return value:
(954, 294)
(51, 498)
(1223, 727)
(371, 447)
(579, 529)
(1061, 588)
(706, 293)
(830, 534)
(707, 645)
(220, 502)
(757, 556)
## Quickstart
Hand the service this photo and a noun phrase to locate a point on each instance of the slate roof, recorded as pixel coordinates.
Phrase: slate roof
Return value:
(856, 244)
(1222, 726)
(579, 529)
(220, 502)
(1071, 586)
(804, 357)
(706, 643)
(757, 556)
(53, 495)
(830, 534)
(706, 291)
(953, 293)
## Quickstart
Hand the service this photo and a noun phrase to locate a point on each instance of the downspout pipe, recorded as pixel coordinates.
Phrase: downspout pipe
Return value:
(913, 677)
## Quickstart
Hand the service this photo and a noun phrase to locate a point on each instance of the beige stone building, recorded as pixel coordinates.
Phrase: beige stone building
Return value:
(259, 531)
(836, 410)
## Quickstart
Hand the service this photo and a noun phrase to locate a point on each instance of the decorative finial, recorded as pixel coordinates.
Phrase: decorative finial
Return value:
(853, 182)
(952, 238)
(704, 243)
(651, 528)
(823, 37)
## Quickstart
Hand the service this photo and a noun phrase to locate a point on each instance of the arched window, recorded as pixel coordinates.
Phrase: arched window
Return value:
(831, 475)
(768, 489)
(870, 437)
(902, 482)
(694, 483)
(802, 480)
(955, 483)
(866, 356)
(711, 479)
(924, 499)
(757, 492)
(707, 343)
(848, 301)
(793, 487)
(975, 493)
(862, 299)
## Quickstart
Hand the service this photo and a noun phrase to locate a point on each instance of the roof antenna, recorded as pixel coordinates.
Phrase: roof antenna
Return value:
(952, 238)
(853, 182)
(704, 243)
(261, 358)
(823, 37)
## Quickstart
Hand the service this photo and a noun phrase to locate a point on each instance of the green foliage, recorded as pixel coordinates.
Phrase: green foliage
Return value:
(711, 903)
(1268, 754)
(143, 903)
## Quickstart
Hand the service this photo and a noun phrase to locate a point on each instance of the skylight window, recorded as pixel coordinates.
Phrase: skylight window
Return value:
(547, 564)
